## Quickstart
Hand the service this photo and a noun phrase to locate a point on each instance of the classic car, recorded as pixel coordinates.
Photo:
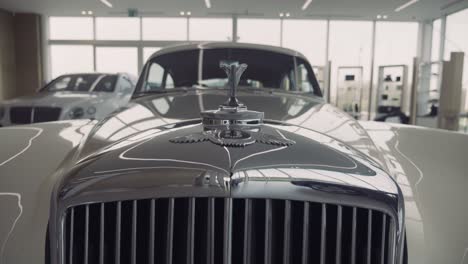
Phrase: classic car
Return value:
(70, 96)
(227, 153)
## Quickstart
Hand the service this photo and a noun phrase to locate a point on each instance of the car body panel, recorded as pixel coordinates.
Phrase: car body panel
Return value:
(29, 160)
(430, 166)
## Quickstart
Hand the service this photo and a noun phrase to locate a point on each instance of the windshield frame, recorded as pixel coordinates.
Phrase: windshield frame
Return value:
(142, 80)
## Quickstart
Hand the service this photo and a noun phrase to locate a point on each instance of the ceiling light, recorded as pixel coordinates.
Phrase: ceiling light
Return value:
(208, 3)
(83, 12)
(398, 9)
(182, 13)
(90, 12)
(306, 4)
(281, 14)
(287, 15)
(385, 17)
(379, 16)
(107, 3)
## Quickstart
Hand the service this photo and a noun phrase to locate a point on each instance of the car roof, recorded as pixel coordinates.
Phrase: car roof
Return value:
(218, 45)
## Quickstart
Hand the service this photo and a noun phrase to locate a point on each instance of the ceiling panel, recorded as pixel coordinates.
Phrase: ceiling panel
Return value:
(339, 9)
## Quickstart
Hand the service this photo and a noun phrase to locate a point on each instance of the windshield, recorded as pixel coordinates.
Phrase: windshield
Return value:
(82, 83)
(266, 69)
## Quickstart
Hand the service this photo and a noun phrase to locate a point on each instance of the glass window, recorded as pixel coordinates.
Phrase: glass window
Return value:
(117, 59)
(354, 56)
(126, 86)
(164, 28)
(148, 51)
(71, 28)
(308, 37)
(435, 49)
(73, 82)
(71, 59)
(155, 77)
(117, 28)
(395, 44)
(259, 31)
(170, 70)
(106, 84)
(210, 29)
(265, 70)
(456, 39)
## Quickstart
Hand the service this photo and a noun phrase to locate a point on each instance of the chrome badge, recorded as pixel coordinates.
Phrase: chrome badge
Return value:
(232, 124)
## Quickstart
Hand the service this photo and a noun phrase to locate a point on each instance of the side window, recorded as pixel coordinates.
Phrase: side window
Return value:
(169, 81)
(61, 84)
(155, 77)
(158, 78)
(304, 84)
(106, 84)
(126, 86)
(286, 83)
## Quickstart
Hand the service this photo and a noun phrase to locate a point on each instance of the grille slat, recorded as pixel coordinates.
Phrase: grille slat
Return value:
(323, 238)
(287, 232)
(71, 236)
(338, 234)
(305, 236)
(134, 231)
(268, 231)
(211, 230)
(118, 232)
(188, 231)
(369, 237)
(227, 231)
(101, 234)
(86, 233)
(152, 231)
(170, 230)
(353, 236)
(384, 227)
(247, 231)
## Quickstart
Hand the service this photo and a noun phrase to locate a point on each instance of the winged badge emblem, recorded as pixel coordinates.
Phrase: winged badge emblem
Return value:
(233, 125)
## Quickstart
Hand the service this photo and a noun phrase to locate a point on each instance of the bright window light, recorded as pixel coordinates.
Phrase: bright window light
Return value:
(435, 48)
(117, 59)
(148, 51)
(118, 28)
(456, 39)
(296, 36)
(71, 28)
(259, 31)
(71, 59)
(165, 28)
(210, 29)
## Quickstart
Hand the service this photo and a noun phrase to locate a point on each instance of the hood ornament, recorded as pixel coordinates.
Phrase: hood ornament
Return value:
(232, 124)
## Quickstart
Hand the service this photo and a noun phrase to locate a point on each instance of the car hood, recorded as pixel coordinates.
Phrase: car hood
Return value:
(302, 111)
(56, 99)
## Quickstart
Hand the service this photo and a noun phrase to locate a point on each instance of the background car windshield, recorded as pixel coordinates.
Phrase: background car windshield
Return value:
(106, 84)
(265, 70)
(77, 83)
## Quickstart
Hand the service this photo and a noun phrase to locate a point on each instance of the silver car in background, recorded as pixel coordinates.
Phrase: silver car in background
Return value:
(71, 96)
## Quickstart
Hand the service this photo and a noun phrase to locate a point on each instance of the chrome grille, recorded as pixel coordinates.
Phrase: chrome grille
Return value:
(46, 114)
(28, 115)
(226, 230)
(20, 115)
